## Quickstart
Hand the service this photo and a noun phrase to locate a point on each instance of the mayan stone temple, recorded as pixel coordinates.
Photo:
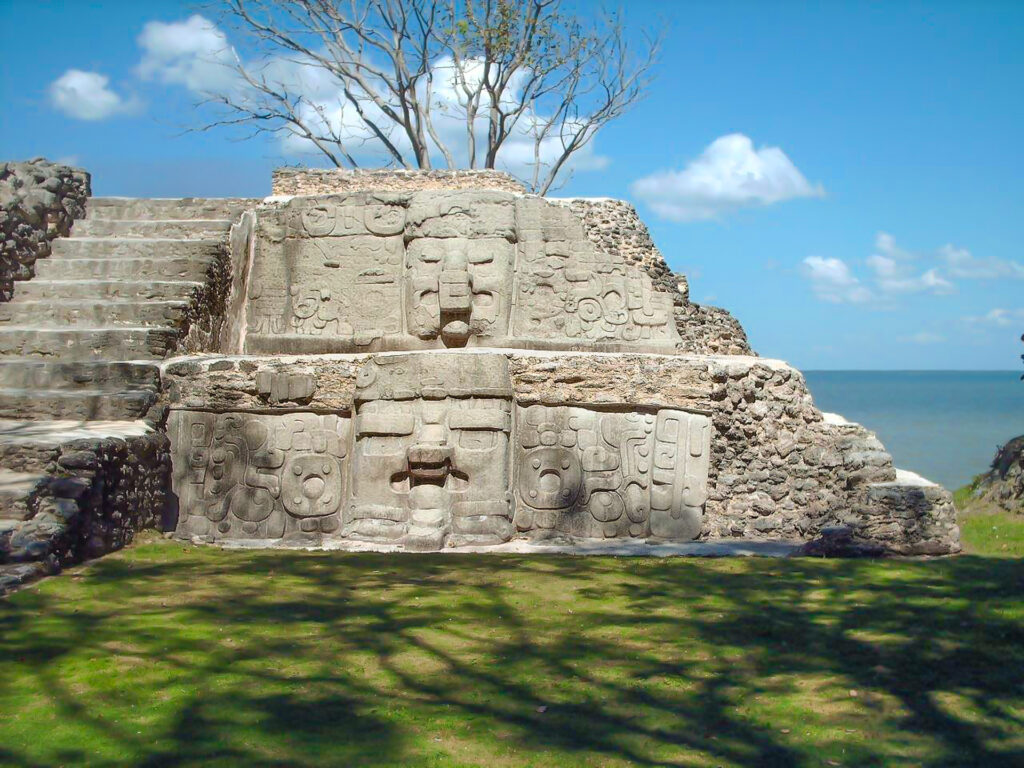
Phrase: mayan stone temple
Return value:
(401, 361)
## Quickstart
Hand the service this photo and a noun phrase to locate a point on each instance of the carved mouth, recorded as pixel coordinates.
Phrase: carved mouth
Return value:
(429, 464)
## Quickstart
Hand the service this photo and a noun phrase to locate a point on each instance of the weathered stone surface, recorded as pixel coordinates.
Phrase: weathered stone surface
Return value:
(258, 476)
(390, 271)
(771, 467)
(39, 201)
(430, 458)
(234, 383)
(136, 280)
(333, 181)
(613, 226)
(1003, 485)
(99, 486)
(420, 361)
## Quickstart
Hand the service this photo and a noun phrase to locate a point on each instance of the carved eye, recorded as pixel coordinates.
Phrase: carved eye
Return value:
(367, 375)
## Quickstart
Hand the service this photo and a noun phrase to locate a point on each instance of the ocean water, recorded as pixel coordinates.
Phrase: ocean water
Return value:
(944, 425)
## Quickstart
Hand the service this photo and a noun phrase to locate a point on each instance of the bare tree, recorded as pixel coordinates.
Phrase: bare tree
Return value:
(470, 83)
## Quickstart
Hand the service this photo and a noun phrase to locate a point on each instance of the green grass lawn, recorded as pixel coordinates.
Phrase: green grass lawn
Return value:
(166, 654)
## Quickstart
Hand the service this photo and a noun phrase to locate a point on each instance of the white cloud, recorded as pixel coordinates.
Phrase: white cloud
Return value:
(999, 317)
(894, 271)
(961, 263)
(885, 244)
(88, 96)
(193, 53)
(894, 277)
(728, 175)
(832, 280)
(923, 337)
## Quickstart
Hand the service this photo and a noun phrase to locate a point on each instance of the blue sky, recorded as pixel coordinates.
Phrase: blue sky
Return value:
(844, 177)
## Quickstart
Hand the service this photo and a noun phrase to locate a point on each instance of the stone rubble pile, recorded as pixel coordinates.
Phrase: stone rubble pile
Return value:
(39, 201)
(1003, 484)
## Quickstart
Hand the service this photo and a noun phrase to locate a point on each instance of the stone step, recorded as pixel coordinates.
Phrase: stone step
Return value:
(166, 228)
(74, 344)
(136, 269)
(33, 373)
(91, 312)
(29, 446)
(168, 207)
(122, 248)
(16, 489)
(83, 404)
(41, 288)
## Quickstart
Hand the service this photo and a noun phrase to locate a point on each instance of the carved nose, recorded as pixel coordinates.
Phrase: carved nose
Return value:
(455, 294)
(428, 454)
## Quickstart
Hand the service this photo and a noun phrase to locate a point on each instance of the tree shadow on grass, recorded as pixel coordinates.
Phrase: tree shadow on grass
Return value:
(277, 658)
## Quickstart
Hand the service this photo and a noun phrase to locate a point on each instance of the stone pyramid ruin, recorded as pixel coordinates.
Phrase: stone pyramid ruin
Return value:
(411, 361)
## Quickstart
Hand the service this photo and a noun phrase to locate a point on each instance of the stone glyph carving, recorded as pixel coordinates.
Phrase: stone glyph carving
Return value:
(407, 271)
(607, 475)
(330, 272)
(243, 475)
(569, 290)
(435, 453)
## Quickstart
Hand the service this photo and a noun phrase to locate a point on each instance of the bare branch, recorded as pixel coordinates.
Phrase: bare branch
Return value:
(405, 77)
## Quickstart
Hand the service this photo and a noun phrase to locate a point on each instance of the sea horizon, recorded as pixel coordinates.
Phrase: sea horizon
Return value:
(945, 425)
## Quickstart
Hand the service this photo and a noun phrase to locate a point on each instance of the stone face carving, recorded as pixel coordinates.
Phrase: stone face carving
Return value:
(458, 288)
(430, 462)
(425, 270)
(240, 475)
(434, 454)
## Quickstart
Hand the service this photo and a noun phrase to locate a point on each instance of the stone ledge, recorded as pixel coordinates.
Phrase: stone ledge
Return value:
(323, 181)
(576, 547)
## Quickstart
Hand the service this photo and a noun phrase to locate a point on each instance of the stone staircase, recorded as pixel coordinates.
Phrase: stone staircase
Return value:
(82, 340)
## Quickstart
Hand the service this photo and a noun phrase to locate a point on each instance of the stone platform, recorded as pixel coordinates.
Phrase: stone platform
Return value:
(413, 362)
(673, 447)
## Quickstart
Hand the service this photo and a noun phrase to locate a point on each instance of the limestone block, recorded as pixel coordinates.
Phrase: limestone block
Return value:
(322, 385)
(639, 381)
(482, 214)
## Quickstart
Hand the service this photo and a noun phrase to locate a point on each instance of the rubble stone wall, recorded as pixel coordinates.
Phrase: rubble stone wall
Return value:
(206, 320)
(338, 181)
(39, 201)
(614, 226)
(97, 493)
